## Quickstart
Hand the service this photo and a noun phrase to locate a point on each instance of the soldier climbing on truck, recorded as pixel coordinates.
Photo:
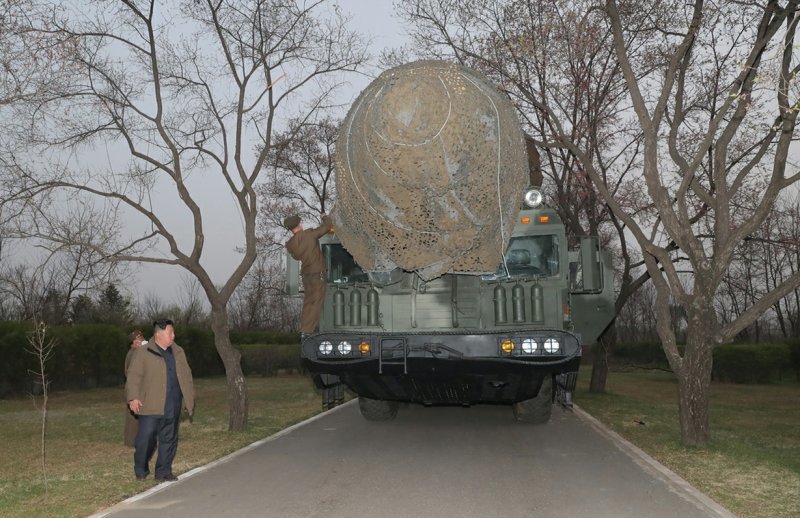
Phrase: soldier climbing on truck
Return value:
(304, 246)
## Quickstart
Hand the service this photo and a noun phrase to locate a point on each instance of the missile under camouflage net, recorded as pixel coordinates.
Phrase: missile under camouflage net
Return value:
(431, 164)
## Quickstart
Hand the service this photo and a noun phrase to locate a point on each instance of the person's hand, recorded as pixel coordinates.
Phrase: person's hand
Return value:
(135, 405)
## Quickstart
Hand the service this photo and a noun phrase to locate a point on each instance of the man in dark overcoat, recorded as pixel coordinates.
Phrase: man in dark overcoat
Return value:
(159, 386)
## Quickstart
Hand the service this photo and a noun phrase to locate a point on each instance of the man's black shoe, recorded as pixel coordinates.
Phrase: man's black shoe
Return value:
(142, 477)
(169, 477)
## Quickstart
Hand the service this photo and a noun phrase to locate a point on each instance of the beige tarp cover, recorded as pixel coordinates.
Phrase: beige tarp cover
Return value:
(431, 162)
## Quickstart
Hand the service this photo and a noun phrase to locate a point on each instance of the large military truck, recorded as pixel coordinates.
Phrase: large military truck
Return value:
(430, 298)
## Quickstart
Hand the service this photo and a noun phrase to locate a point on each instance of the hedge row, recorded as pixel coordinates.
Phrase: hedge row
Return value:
(268, 359)
(748, 363)
(734, 363)
(92, 355)
(84, 356)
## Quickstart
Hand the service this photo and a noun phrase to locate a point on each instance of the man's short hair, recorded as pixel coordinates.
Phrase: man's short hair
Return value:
(162, 323)
(133, 335)
(291, 222)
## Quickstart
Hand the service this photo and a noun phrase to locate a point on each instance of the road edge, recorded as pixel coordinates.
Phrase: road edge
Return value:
(681, 486)
(222, 460)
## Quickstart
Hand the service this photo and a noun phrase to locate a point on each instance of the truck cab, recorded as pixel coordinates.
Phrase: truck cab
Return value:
(506, 336)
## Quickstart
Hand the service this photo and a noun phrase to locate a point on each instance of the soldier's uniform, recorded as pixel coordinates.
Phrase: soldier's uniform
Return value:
(304, 247)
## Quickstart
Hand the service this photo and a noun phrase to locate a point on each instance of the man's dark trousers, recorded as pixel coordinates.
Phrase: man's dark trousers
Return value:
(152, 427)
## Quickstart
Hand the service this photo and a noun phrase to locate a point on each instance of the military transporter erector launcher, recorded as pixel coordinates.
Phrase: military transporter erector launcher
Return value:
(449, 281)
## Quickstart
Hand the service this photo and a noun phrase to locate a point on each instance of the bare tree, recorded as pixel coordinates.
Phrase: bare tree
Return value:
(31, 62)
(717, 119)
(637, 320)
(259, 302)
(190, 300)
(300, 181)
(150, 308)
(760, 263)
(48, 289)
(190, 95)
(42, 348)
(710, 119)
(556, 63)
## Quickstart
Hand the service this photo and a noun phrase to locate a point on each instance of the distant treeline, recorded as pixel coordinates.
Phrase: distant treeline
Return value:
(735, 363)
(92, 355)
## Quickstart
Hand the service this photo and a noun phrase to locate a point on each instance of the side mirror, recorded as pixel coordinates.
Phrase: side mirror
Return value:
(590, 267)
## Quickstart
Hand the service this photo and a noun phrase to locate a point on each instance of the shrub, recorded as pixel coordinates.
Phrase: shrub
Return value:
(642, 353)
(734, 363)
(201, 353)
(93, 355)
(752, 363)
(85, 356)
(267, 359)
(16, 364)
(794, 348)
(264, 337)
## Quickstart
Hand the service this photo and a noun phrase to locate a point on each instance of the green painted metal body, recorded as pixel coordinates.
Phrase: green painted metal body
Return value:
(441, 341)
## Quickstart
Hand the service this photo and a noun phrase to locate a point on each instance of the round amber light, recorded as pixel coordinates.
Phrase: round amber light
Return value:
(507, 346)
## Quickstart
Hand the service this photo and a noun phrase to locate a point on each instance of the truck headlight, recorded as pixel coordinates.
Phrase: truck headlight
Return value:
(344, 347)
(551, 345)
(325, 347)
(528, 346)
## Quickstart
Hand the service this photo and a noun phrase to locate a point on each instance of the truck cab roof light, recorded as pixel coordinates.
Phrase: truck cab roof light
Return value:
(533, 198)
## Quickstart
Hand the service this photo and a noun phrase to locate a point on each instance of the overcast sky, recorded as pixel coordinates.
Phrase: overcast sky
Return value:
(374, 19)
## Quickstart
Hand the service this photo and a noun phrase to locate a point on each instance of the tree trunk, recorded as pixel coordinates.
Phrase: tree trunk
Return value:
(602, 349)
(694, 389)
(231, 359)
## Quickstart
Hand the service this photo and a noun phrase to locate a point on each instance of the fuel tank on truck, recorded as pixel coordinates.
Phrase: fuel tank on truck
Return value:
(430, 163)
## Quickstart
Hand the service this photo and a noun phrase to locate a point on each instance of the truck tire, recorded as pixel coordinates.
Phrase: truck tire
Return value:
(536, 410)
(377, 409)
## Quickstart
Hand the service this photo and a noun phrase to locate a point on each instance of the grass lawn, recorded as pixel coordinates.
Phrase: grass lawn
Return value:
(752, 464)
(88, 468)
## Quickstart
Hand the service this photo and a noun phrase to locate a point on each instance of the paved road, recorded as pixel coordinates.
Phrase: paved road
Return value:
(429, 462)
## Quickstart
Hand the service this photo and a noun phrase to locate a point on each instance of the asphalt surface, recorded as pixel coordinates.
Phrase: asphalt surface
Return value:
(432, 462)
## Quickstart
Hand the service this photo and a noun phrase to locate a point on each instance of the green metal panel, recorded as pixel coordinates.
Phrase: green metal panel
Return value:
(462, 302)
(593, 311)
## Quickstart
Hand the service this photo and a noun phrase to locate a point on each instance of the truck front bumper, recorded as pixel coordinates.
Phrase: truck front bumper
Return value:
(449, 368)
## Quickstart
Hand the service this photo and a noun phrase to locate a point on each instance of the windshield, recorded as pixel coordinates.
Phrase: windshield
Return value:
(342, 268)
(530, 256)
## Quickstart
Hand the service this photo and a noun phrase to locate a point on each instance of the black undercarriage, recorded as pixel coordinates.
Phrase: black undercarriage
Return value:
(443, 368)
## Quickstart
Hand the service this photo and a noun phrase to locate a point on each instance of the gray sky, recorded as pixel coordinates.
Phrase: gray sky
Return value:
(374, 19)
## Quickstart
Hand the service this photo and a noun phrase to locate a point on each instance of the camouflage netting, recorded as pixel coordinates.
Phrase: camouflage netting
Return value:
(430, 160)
